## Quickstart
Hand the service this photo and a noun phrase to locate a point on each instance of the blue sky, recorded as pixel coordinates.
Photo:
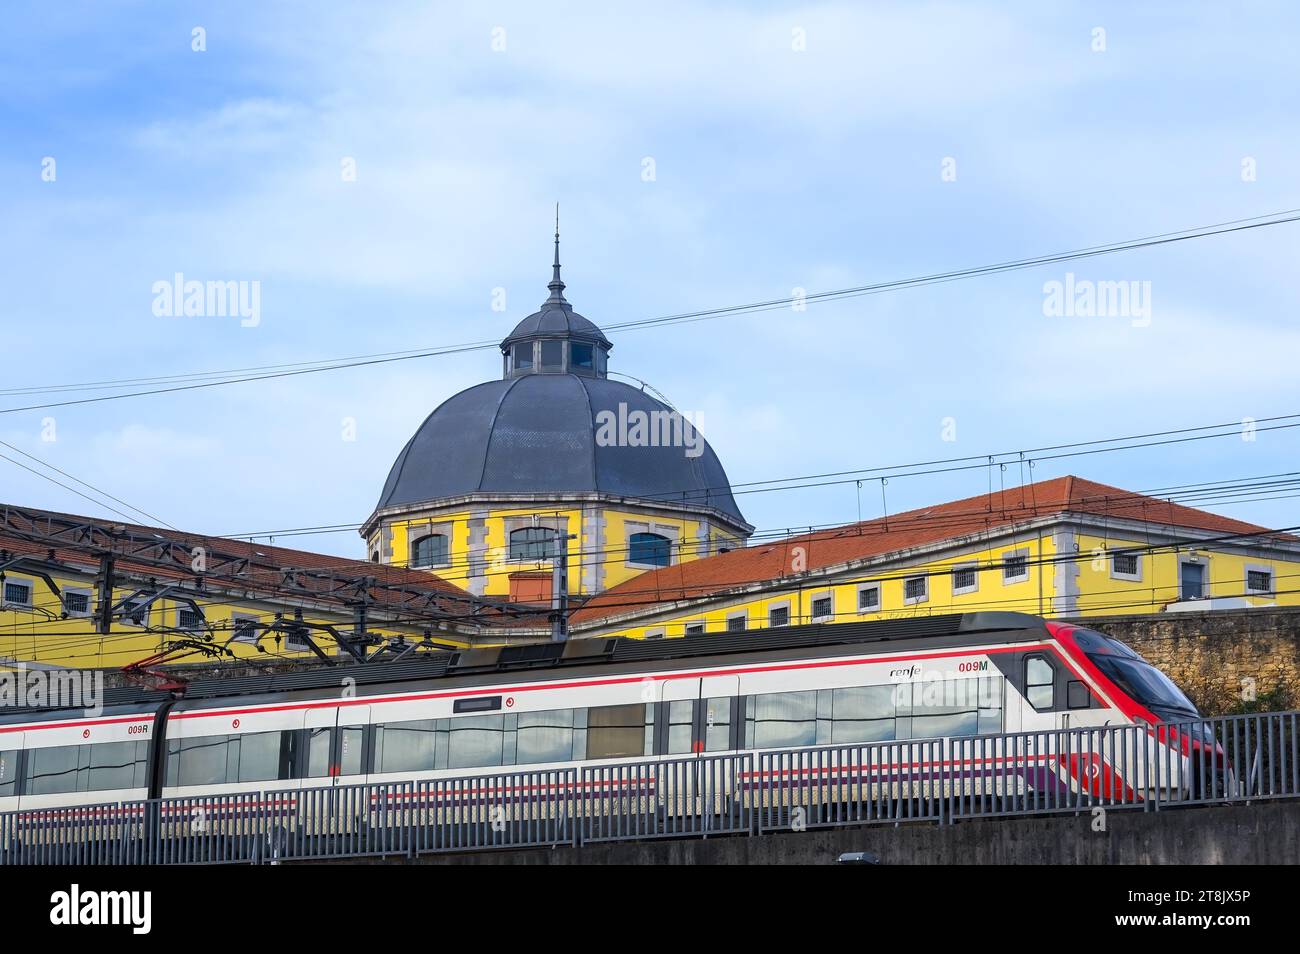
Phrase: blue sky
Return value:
(775, 169)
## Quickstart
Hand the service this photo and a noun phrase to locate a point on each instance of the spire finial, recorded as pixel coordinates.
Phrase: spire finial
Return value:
(556, 286)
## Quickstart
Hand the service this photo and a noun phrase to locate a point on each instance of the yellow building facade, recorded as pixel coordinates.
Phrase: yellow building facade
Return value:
(1086, 555)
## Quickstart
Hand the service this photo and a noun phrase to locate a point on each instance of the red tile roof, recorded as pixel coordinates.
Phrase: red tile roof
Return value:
(263, 575)
(886, 535)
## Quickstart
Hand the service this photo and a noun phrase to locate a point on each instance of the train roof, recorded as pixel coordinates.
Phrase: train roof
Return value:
(577, 652)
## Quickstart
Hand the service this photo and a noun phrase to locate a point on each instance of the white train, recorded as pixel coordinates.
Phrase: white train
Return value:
(587, 702)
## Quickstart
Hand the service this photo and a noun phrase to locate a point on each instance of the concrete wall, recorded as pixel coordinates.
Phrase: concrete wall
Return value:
(1264, 833)
(1210, 655)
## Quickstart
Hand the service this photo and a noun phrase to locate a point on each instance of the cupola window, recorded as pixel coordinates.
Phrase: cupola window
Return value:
(552, 354)
(429, 551)
(581, 356)
(523, 355)
(532, 543)
(650, 549)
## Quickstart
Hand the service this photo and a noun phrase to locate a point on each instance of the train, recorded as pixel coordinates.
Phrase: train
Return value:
(593, 702)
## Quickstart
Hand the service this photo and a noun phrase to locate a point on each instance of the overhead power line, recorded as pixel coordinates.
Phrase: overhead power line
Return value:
(208, 379)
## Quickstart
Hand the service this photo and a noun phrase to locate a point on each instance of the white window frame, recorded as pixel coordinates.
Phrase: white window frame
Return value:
(825, 595)
(6, 603)
(772, 607)
(182, 608)
(654, 633)
(924, 597)
(1118, 575)
(1011, 555)
(1259, 568)
(424, 532)
(880, 603)
(235, 620)
(123, 617)
(669, 532)
(742, 614)
(972, 565)
(686, 629)
(85, 591)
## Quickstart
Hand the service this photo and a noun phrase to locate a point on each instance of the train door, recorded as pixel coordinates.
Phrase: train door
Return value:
(11, 750)
(700, 715)
(719, 727)
(335, 746)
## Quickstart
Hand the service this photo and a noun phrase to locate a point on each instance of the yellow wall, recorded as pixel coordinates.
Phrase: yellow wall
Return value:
(584, 550)
(1100, 593)
(32, 635)
(1032, 595)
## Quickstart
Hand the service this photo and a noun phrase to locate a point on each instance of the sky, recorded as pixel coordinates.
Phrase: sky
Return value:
(385, 175)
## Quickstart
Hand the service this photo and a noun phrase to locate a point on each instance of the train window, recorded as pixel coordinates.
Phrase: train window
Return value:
(544, 737)
(717, 723)
(410, 746)
(113, 765)
(351, 746)
(1040, 682)
(1077, 695)
(259, 757)
(681, 726)
(863, 714)
(619, 731)
(954, 707)
(86, 768)
(778, 719)
(476, 742)
(319, 742)
(8, 772)
(52, 771)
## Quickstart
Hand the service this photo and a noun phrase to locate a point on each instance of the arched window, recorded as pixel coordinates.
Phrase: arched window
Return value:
(650, 549)
(532, 543)
(429, 551)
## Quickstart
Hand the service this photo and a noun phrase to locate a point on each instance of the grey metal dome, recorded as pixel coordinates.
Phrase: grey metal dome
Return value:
(537, 434)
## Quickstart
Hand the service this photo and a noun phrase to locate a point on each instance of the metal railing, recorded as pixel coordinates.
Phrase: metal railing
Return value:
(1225, 760)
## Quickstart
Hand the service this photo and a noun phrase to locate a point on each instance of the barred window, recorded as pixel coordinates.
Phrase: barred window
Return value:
(964, 578)
(822, 608)
(915, 588)
(1015, 566)
(1259, 581)
(76, 603)
(778, 616)
(18, 594)
(1125, 564)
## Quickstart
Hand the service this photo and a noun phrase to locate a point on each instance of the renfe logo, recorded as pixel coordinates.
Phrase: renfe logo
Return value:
(103, 907)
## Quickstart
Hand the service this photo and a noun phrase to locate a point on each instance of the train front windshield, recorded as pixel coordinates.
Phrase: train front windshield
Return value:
(1147, 684)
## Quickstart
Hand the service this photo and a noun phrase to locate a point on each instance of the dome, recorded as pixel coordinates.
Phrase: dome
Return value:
(540, 434)
(556, 319)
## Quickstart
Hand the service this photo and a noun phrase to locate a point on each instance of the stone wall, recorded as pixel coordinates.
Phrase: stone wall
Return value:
(1211, 655)
(1263, 833)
